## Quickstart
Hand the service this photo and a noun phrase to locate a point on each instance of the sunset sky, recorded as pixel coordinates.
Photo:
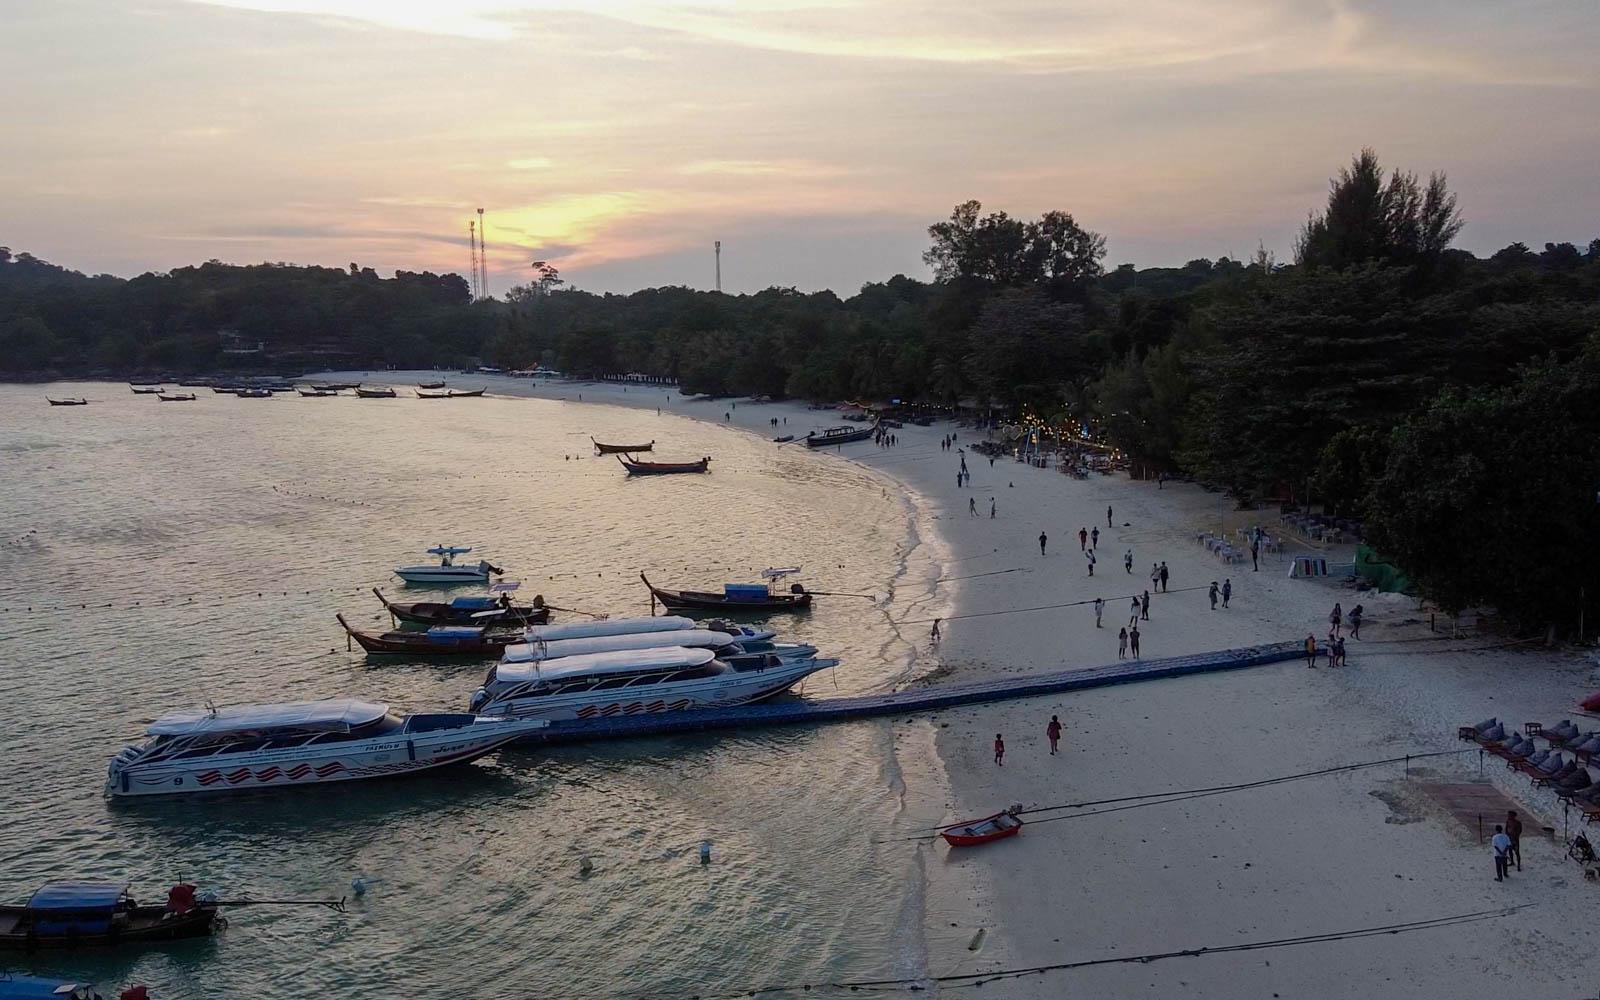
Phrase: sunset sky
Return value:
(816, 138)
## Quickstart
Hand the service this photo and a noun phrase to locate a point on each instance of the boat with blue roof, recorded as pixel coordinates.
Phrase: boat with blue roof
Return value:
(469, 610)
(86, 914)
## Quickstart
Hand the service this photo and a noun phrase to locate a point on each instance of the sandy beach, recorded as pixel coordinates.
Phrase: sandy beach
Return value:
(1360, 849)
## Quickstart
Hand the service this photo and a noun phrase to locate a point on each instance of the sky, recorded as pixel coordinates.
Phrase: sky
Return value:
(817, 139)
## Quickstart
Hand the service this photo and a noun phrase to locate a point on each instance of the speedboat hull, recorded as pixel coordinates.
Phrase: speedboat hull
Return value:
(385, 756)
(736, 687)
(445, 574)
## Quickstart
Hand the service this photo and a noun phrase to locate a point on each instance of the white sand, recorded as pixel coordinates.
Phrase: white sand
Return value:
(1357, 850)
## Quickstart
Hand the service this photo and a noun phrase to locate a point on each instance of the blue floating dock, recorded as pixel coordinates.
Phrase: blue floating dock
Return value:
(800, 711)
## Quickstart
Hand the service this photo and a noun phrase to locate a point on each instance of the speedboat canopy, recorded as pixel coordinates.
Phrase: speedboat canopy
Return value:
(626, 661)
(528, 652)
(609, 626)
(339, 715)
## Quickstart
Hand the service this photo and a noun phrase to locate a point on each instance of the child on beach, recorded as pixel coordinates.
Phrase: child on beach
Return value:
(1053, 730)
(1336, 617)
(1311, 651)
(1099, 606)
(999, 751)
(936, 636)
(1122, 644)
(1355, 621)
(1090, 554)
(1133, 612)
(1339, 648)
(972, 506)
(1212, 593)
(1333, 649)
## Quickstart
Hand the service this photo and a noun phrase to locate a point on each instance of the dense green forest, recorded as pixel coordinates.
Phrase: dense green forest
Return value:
(1380, 363)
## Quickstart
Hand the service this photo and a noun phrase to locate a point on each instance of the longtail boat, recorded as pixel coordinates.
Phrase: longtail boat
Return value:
(147, 390)
(973, 832)
(440, 640)
(430, 385)
(452, 393)
(466, 611)
(621, 449)
(84, 914)
(735, 597)
(176, 397)
(72, 401)
(386, 393)
(335, 386)
(838, 435)
(318, 392)
(663, 468)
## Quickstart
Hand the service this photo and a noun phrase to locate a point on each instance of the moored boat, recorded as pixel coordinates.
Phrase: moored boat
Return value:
(838, 435)
(621, 449)
(467, 611)
(15, 986)
(728, 646)
(430, 385)
(69, 401)
(609, 626)
(735, 597)
(316, 392)
(84, 914)
(272, 746)
(452, 393)
(636, 468)
(635, 682)
(176, 397)
(973, 832)
(147, 390)
(447, 571)
(384, 393)
(335, 386)
(251, 393)
(439, 640)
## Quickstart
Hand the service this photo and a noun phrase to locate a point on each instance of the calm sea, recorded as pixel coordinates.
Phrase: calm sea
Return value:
(162, 555)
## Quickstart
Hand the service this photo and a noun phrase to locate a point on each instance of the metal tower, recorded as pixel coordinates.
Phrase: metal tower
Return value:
(717, 245)
(472, 243)
(483, 254)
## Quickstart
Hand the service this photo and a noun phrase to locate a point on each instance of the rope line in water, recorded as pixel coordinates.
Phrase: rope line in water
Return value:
(1042, 607)
(977, 979)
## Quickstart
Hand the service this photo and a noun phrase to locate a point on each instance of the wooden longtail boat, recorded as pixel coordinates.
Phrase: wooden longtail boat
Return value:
(621, 449)
(86, 914)
(452, 393)
(735, 597)
(981, 831)
(663, 468)
(176, 397)
(440, 640)
(147, 390)
(430, 385)
(318, 392)
(335, 386)
(386, 393)
(838, 435)
(465, 611)
(75, 401)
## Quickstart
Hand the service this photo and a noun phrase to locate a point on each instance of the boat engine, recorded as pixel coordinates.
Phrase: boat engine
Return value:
(480, 698)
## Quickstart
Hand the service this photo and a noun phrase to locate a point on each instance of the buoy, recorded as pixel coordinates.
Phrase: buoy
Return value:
(585, 867)
(705, 852)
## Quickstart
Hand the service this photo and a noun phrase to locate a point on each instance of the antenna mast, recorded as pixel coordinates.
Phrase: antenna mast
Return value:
(472, 243)
(483, 254)
(717, 246)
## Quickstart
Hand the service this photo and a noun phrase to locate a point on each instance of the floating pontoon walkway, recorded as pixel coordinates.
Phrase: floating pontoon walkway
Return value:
(795, 711)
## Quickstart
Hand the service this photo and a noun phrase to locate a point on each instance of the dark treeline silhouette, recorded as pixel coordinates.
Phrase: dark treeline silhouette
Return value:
(1356, 371)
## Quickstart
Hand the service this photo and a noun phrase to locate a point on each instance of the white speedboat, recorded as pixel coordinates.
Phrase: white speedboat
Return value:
(447, 571)
(726, 646)
(635, 682)
(270, 746)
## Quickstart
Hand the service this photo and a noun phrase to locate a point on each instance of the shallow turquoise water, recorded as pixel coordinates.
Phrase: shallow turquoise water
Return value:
(225, 533)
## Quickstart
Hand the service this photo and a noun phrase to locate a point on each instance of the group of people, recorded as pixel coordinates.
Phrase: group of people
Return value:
(1052, 732)
(885, 438)
(1335, 644)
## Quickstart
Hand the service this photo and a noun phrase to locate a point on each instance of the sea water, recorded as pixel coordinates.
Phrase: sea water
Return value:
(161, 555)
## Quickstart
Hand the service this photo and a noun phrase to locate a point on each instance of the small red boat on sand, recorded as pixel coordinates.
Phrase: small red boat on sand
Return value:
(981, 831)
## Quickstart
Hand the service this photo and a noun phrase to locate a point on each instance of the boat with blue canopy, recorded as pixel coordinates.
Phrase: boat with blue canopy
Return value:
(440, 640)
(14, 986)
(470, 610)
(83, 914)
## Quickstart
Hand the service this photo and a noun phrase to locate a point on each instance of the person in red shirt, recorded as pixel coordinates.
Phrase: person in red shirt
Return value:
(999, 750)
(1053, 730)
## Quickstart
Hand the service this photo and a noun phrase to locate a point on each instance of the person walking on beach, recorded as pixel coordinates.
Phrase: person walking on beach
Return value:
(1133, 612)
(1227, 591)
(1083, 539)
(1500, 844)
(1163, 576)
(1336, 616)
(1053, 730)
(1255, 556)
(1144, 606)
(1155, 577)
(1122, 644)
(1108, 517)
(1338, 646)
(972, 506)
(1333, 649)
(1355, 621)
(1099, 608)
(1133, 641)
(1090, 554)
(1514, 831)
(1000, 753)
(1212, 593)
(936, 636)
(1311, 651)
(1094, 538)
(991, 508)
(1042, 539)
(1127, 562)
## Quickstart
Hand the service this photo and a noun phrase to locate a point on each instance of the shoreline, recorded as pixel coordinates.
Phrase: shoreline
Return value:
(1266, 863)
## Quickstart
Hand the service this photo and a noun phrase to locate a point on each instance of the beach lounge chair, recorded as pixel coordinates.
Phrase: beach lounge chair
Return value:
(1588, 748)
(1557, 776)
(1559, 733)
(1474, 732)
(1574, 783)
(1576, 741)
(1530, 765)
(1520, 748)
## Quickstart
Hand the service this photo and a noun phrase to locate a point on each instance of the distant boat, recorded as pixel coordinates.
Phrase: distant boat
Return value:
(248, 393)
(838, 435)
(430, 385)
(385, 393)
(15, 986)
(336, 386)
(147, 390)
(452, 393)
(783, 440)
(176, 397)
(973, 832)
(440, 640)
(317, 392)
(447, 571)
(735, 597)
(467, 611)
(621, 449)
(69, 401)
(663, 468)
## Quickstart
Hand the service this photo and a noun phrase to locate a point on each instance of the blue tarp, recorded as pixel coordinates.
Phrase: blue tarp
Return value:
(77, 896)
(453, 633)
(745, 591)
(19, 987)
(474, 603)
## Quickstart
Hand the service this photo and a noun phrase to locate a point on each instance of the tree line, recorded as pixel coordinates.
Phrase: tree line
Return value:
(1381, 372)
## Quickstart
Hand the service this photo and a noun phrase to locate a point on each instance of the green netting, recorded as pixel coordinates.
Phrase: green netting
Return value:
(1379, 573)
